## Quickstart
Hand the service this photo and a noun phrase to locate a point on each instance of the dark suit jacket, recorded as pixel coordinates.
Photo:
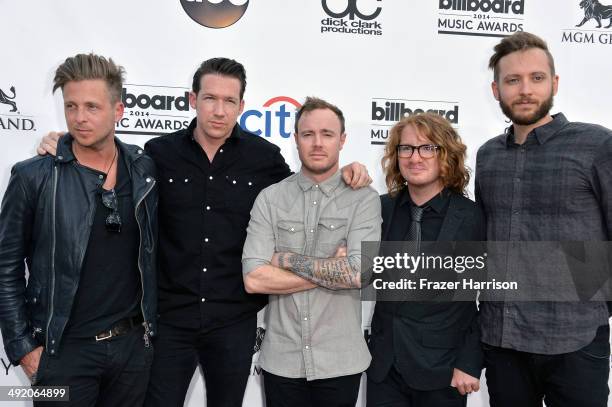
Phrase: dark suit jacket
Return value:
(429, 339)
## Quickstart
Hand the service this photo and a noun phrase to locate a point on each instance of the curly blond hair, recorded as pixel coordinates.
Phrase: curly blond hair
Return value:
(451, 156)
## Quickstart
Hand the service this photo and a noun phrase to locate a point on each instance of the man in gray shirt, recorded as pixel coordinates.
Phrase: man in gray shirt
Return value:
(548, 180)
(314, 351)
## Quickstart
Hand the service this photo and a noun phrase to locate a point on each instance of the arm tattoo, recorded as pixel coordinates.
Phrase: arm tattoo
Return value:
(332, 273)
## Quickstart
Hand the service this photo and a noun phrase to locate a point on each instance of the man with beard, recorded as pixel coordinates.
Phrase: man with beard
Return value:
(314, 352)
(544, 179)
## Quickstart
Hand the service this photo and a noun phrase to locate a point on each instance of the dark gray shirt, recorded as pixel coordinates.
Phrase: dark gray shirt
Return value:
(557, 186)
(313, 334)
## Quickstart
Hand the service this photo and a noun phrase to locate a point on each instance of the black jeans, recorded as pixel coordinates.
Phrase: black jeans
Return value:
(576, 379)
(225, 355)
(112, 373)
(394, 392)
(335, 392)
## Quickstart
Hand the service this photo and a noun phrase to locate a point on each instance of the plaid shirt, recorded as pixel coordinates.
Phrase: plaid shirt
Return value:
(557, 186)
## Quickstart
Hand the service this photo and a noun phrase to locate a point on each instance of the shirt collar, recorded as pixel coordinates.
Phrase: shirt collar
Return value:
(437, 203)
(543, 133)
(327, 187)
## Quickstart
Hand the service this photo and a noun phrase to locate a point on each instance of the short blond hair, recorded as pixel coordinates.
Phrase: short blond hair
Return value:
(91, 66)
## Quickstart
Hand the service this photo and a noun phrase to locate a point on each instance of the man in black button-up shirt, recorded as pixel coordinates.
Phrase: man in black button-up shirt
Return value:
(209, 176)
(546, 179)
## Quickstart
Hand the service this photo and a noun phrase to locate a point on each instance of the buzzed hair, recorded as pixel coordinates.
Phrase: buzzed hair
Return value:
(313, 103)
(91, 66)
(519, 41)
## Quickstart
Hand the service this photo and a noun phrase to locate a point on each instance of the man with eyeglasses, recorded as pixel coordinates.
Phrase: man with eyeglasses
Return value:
(545, 179)
(425, 353)
(84, 222)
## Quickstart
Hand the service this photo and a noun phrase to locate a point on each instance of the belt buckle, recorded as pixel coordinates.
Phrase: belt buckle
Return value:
(104, 336)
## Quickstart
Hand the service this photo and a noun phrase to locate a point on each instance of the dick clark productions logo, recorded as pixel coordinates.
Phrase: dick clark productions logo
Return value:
(215, 13)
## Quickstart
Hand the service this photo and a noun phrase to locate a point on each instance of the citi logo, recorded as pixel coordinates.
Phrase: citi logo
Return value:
(392, 111)
(351, 11)
(485, 6)
(276, 118)
(215, 13)
(156, 102)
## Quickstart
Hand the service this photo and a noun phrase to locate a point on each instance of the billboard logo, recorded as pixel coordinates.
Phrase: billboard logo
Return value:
(386, 112)
(154, 110)
(482, 18)
(215, 13)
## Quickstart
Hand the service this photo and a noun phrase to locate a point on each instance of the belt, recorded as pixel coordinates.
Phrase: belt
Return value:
(122, 327)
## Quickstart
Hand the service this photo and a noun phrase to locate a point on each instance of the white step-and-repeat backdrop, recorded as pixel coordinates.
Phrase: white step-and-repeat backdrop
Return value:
(376, 59)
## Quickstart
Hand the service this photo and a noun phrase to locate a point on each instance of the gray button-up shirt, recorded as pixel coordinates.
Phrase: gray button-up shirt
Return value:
(317, 333)
(557, 186)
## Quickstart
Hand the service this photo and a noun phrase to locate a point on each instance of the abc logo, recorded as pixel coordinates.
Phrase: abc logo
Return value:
(215, 13)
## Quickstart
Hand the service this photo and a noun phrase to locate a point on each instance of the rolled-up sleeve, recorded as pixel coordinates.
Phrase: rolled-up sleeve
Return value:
(365, 227)
(260, 243)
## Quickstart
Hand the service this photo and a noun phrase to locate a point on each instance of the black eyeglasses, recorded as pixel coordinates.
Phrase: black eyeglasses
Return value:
(113, 220)
(425, 150)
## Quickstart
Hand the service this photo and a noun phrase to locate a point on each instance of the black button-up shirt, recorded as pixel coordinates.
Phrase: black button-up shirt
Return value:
(204, 210)
(557, 186)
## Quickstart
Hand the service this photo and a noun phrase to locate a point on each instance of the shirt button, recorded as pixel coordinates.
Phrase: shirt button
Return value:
(311, 230)
(205, 240)
(207, 208)
(101, 176)
(203, 299)
(292, 229)
(306, 347)
(139, 151)
(52, 351)
(210, 178)
(314, 202)
(60, 157)
(170, 180)
(317, 186)
(250, 183)
(148, 180)
(517, 212)
(53, 341)
(305, 318)
(233, 181)
(152, 333)
(331, 226)
(205, 269)
(186, 179)
(220, 150)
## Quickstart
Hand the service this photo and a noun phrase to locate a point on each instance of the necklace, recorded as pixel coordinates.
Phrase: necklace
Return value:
(109, 166)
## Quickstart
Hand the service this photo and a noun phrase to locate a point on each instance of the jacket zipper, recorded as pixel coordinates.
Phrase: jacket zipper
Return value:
(146, 324)
(53, 239)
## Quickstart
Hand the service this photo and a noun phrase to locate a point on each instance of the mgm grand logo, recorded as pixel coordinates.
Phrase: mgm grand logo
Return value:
(10, 117)
(591, 10)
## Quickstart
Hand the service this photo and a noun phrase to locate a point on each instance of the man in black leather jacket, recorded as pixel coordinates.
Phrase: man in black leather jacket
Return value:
(84, 221)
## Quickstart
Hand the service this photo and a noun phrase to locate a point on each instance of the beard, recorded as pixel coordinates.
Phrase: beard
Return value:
(529, 119)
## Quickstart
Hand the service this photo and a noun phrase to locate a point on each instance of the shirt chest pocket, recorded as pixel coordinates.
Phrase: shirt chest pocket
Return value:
(291, 236)
(177, 190)
(240, 192)
(331, 233)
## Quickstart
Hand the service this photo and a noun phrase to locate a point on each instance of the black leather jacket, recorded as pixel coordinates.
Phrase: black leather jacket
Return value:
(45, 220)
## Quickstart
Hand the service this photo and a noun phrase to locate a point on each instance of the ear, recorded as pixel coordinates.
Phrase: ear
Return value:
(495, 90)
(241, 106)
(555, 85)
(119, 108)
(295, 137)
(342, 140)
(192, 99)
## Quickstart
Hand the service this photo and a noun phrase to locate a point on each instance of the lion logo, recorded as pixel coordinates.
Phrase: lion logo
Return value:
(594, 9)
(259, 336)
(8, 100)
